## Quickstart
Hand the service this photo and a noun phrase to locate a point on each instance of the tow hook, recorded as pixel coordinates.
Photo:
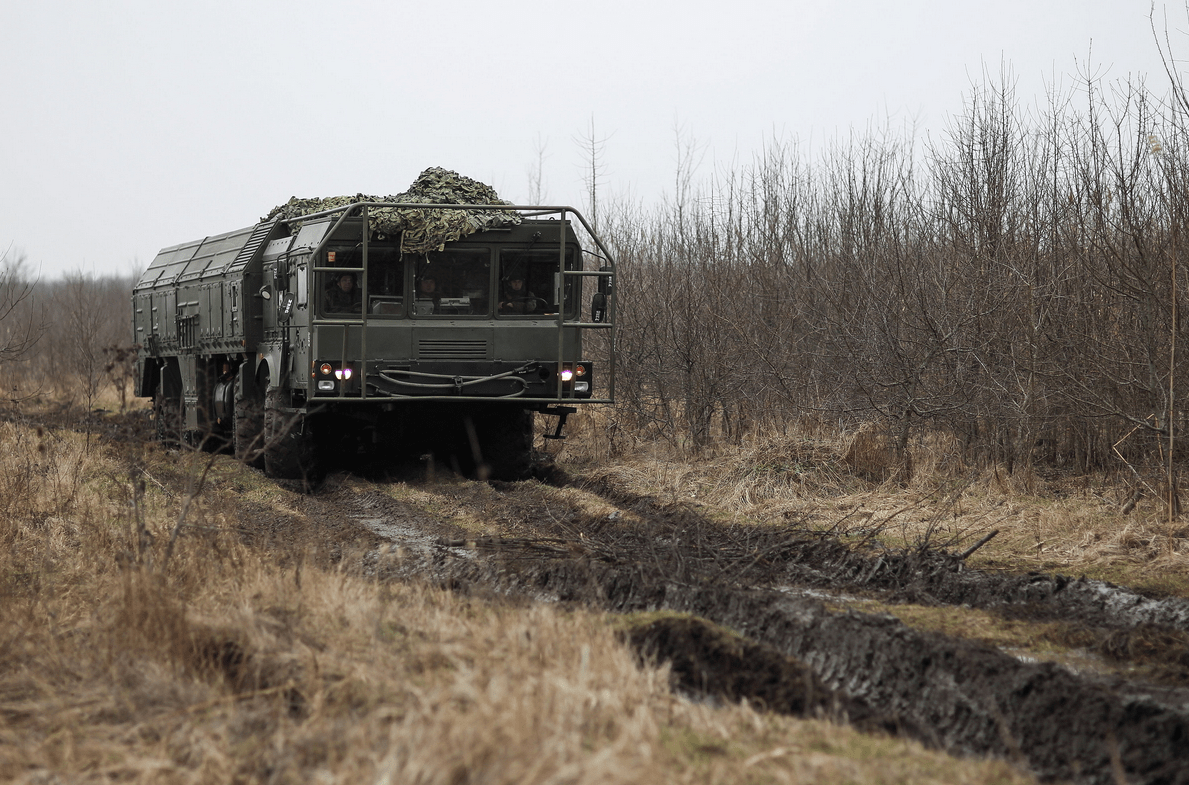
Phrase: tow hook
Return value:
(562, 412)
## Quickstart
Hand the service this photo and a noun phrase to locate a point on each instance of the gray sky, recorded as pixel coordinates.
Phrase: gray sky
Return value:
(129, 125)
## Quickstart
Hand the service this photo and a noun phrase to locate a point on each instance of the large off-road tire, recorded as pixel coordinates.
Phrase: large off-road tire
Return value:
(249, 425)
(505, 442)
(289, 452)
(167, 416)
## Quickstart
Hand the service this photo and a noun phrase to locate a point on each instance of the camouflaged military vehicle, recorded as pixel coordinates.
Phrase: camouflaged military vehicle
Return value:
(391, 325)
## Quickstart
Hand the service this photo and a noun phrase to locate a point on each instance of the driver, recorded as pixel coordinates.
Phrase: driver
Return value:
(343, 296)
(515, 297)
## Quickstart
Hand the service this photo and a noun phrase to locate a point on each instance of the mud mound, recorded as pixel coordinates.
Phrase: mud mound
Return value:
(936, 578)
(708, 660)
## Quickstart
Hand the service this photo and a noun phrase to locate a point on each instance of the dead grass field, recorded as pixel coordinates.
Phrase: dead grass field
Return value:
(133, 649)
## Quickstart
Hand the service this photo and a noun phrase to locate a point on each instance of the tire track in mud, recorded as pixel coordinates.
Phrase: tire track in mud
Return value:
(932, 577)
(952, 694)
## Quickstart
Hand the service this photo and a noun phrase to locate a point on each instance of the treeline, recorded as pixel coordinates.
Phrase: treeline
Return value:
(66, 339)
(1018, 284)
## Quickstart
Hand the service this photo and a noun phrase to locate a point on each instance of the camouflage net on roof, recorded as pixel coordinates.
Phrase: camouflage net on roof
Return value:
(424, 229)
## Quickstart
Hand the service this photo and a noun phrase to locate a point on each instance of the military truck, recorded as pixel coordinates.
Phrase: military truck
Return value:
(368, 328)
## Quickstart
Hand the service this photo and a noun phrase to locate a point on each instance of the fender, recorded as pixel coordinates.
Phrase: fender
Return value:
(269, 364)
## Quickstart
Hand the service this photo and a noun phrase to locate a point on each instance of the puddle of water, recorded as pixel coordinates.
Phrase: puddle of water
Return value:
(409, 537)
(818, 594)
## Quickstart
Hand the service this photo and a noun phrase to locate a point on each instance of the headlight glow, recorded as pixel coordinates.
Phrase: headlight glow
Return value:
(567, 374)
(344, 373)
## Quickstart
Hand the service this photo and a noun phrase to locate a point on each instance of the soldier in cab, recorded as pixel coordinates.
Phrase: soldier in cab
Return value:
(343, 297)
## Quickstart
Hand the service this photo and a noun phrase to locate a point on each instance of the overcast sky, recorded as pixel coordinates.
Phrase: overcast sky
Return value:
(129, 126)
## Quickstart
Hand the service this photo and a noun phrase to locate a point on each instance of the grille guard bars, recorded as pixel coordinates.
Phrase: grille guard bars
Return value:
(559, 394)
(456, 383)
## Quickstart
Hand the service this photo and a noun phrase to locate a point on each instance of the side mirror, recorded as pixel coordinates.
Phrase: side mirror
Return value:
(285, 307)
(598, 307)
(606, 282)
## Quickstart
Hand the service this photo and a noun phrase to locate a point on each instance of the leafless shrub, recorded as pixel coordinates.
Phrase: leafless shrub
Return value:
(1011, 285)
(870, 452)
(72, 337)
(120, 369)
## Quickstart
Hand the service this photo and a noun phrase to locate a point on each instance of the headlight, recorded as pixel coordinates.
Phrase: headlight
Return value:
(571, 372)
(326, 373)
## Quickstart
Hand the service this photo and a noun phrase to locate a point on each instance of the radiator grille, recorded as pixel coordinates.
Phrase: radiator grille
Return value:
(450, 349)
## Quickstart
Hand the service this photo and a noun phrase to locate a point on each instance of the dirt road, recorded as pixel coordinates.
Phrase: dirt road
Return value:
(792, 648)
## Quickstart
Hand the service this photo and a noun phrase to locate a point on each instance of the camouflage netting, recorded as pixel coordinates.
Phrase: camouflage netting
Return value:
(424, 230)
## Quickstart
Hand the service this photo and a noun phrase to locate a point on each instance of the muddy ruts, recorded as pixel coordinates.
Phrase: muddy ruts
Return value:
(932, 577)
(709, 660)
(801, 555)
(951, 694)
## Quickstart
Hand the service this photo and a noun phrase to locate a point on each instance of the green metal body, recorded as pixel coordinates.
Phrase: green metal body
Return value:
(259, 311)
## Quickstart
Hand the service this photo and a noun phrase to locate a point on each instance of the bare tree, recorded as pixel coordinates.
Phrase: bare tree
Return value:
(20, 328)
(91, 317)
(593, 148)
(1014, 287)
(536, 173)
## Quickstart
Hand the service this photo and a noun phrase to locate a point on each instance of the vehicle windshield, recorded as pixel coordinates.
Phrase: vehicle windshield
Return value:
(456, 282)
(528, 282)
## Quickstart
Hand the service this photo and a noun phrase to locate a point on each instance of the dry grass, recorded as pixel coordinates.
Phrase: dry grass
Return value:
(229, 665)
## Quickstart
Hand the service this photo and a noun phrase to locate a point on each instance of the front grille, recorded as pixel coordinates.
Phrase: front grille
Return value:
(450, 349)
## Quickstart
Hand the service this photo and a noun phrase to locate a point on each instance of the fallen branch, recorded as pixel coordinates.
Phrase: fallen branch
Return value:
(986, 539)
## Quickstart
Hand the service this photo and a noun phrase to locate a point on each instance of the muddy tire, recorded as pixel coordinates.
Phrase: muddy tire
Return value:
(289, 442)
(506, 444)
(249, 426)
